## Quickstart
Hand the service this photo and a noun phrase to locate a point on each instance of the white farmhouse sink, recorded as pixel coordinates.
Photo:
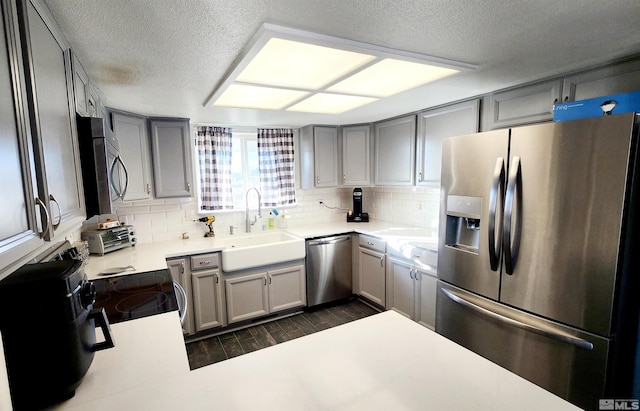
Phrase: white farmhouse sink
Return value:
(257, 250)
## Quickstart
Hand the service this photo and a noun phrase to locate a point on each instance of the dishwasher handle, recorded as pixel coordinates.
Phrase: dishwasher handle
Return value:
(329, 240)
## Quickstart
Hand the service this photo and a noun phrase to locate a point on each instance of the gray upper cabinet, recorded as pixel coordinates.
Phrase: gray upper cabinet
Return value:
(395, 148)
(96, 102)
(619, 78)
(522, 105)
(171, 152)
(131, 132)
(80, 87)
(356, 155)
(433, 126)
(19, 233)
(325, 143)
(318, 157)
(49, 80)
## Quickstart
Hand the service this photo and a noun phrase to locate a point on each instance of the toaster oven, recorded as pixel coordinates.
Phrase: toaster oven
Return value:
(107, 240)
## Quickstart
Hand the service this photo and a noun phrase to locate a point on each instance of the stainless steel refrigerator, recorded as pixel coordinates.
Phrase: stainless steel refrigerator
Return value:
(538, 253)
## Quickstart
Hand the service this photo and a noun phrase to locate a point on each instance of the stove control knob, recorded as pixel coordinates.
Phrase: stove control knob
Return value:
(87, 294)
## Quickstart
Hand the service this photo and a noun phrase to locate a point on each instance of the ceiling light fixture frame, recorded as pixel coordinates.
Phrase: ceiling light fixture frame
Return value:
(269, 31)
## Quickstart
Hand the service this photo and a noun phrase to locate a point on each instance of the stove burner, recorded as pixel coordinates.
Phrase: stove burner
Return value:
(141, 303)
(136, 295)
(136, 284)
(102, 298)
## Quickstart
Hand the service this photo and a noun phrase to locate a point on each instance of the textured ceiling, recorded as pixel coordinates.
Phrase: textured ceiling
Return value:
(165, 57)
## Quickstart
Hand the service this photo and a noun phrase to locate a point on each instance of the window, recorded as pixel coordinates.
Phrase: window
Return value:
(229, 165)
(244, 167)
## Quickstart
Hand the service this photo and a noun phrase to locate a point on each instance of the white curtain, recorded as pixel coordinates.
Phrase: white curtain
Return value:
(276, 164)
(214, 155)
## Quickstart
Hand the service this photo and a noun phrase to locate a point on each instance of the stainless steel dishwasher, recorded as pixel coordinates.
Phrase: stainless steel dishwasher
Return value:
(328, 269)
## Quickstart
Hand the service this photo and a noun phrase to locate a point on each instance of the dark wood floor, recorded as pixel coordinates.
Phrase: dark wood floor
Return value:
(233, 344)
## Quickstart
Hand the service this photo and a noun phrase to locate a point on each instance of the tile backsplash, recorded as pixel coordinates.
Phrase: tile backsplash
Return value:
(163, 219)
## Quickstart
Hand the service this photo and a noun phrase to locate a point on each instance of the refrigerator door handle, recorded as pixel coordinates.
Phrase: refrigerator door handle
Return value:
(497, 192)
(534, 328)
(511, 232)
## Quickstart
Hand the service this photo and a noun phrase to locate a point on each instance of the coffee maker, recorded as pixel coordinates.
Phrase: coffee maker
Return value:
(356, 215)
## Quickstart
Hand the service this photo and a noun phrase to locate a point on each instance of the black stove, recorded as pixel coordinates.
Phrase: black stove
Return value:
(135, 296)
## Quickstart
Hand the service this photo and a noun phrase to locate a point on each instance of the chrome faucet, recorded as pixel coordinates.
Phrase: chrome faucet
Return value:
(248, 221)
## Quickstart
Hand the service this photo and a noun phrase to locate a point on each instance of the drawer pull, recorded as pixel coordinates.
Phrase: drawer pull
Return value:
(205, 262)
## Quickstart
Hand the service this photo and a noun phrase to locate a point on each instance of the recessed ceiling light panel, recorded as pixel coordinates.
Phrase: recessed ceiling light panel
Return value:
(295, 70)
(327, 103)
(266, 98)
(389, 77)
(285, 63)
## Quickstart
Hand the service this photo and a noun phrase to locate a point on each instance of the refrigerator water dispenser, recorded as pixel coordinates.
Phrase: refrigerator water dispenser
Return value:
(463, 223)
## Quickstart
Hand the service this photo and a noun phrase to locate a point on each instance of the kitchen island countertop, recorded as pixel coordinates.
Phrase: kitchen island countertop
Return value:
(383, 362)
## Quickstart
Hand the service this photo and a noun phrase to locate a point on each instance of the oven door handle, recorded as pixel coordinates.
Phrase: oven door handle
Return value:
(181, 297)
(100, 316)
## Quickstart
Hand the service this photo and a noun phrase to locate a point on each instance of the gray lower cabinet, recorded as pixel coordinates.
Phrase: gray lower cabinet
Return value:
(53, 128)
(618, 78)
(181, 273)
(246, 297)
(131, 132)
(287, 288)
(171, 154)
(436, 124)
(411, 286)
(412, 292)
(395, 149)
(372, 271)
(401, 288)
(427, 288)
(260, 293)
(208, 296)
(522, 105)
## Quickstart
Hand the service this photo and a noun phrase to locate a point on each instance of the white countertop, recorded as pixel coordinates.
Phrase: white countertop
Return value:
(152, 256)
(146, 351)
(384, 362)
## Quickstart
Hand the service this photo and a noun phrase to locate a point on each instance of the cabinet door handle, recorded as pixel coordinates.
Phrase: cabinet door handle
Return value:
(411, 273)
(344, 178)
(270, 278)
(217, 278)
(45, 224)
(265, 280)
(53, 199)
(419, 176)
(317, 180)
(381, 261)
(148, 188)
(181, 268)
